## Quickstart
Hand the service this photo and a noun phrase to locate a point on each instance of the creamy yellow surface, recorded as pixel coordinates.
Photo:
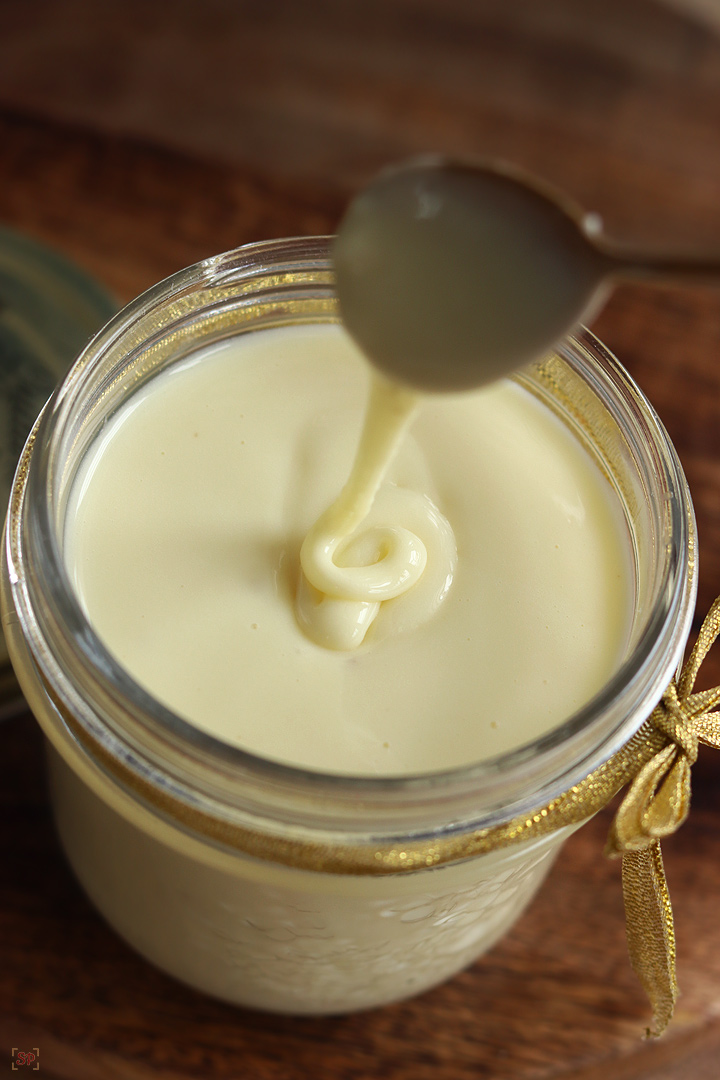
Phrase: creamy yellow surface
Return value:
(185, 530)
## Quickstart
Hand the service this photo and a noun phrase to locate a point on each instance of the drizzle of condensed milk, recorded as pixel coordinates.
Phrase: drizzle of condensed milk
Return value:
(358, 554)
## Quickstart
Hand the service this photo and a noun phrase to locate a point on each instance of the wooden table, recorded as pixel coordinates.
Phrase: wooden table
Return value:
(136, 168)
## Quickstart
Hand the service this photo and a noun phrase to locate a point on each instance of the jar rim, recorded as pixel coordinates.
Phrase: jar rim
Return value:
(227, 780)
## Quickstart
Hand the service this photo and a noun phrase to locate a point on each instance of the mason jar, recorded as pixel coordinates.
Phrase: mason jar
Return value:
(258, 882)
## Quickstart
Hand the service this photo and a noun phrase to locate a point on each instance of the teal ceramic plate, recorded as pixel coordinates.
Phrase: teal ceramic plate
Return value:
(49, 308)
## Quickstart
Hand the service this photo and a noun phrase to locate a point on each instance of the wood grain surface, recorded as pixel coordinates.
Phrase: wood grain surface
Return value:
(139, 144)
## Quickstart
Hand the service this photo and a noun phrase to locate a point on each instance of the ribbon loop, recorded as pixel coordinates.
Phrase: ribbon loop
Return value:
(709, 631)
(658, 799)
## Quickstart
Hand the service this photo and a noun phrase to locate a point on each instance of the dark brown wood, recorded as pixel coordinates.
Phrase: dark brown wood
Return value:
(615, 99)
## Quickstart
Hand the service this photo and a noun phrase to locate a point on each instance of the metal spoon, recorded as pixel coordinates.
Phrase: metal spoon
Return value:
(450, 275)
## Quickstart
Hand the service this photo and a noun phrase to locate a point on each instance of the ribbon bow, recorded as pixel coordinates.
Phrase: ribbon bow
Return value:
(656, 805)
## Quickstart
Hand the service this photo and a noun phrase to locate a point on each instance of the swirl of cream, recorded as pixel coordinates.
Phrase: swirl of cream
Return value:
(351, 561)
(379, 563)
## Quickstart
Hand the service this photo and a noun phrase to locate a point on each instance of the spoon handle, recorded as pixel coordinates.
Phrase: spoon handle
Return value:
(694, 269)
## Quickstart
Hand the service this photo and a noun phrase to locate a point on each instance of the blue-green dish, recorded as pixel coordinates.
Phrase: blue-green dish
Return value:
(49, 309)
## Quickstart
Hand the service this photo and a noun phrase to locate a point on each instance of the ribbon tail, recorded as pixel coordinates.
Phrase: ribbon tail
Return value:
(650, 931)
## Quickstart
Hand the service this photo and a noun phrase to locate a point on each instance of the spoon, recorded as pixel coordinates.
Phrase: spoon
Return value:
(450, 275)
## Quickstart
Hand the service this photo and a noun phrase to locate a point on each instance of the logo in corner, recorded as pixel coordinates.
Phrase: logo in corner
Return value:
(25, 1059)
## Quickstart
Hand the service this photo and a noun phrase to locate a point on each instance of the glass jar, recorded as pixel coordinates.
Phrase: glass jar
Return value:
(254, 881)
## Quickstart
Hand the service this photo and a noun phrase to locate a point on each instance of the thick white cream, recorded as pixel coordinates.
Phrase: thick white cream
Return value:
(184, 536)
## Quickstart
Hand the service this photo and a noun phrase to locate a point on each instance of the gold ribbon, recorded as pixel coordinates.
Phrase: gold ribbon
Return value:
(656, 804)
(655, 763)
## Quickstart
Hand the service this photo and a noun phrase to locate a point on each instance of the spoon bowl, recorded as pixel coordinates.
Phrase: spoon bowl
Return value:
(450, 275)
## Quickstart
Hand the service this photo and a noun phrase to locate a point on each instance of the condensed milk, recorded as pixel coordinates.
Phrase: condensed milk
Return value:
(523, 596)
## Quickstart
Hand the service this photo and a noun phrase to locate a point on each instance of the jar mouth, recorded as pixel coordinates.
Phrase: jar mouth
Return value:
(291, 281)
